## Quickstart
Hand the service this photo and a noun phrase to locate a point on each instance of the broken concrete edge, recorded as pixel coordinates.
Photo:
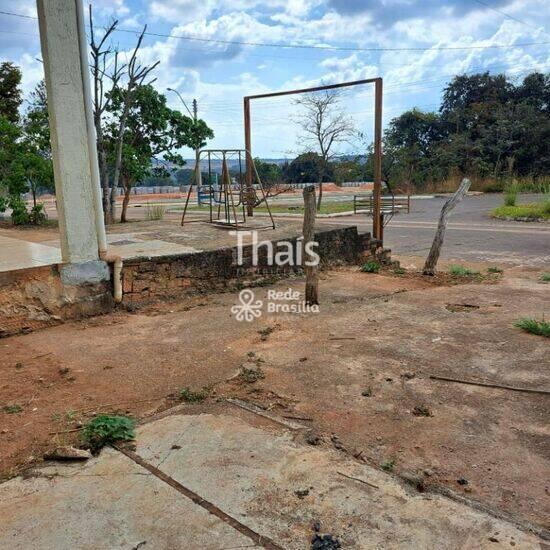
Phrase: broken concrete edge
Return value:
(39, 297)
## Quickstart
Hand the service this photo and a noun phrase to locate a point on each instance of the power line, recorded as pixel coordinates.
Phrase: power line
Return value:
(507, 15)
(308, 46)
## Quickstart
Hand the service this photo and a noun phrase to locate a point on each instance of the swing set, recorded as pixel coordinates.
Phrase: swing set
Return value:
(228, 197)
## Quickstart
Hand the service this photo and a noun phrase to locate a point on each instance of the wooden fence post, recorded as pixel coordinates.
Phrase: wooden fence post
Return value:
(433, 256)
(311, 271)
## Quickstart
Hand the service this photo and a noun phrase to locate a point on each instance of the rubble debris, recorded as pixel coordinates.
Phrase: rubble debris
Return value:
(301, 493)
(68, 452)
(323, 542)
(421, 410)
(313, 439)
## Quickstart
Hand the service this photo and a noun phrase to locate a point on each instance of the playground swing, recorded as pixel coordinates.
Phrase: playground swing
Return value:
(227, 197)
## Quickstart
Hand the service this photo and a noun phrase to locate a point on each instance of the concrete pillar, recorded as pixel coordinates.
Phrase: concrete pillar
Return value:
(69, 136)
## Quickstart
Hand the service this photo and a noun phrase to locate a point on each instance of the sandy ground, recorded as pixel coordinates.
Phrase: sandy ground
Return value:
(354, 372)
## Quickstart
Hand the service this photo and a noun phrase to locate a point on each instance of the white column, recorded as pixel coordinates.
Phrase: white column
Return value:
(69, 133)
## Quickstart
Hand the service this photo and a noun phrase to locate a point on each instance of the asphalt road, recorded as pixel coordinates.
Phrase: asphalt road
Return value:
(472, 235)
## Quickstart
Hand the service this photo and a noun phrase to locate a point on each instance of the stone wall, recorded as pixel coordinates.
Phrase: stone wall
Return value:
(38, 297)
(145, 279)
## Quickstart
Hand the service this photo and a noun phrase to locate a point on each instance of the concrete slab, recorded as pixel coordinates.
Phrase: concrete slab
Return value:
(109, 503)
(18, 254)
(254, 474)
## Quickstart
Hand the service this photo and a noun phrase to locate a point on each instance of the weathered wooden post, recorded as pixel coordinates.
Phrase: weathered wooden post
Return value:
(433, 256)
(311, 271)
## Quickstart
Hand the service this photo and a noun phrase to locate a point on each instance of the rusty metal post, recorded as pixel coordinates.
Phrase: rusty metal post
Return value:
(377, 226)
(248, 147)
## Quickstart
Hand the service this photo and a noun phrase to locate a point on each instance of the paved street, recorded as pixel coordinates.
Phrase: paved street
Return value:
(472, 235)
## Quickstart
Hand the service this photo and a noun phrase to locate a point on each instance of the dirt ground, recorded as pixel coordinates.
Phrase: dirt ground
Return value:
(357, 372)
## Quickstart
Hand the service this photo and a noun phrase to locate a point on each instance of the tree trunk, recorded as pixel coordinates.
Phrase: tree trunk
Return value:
(126, 200)
(311, 271)
(433, 256)
(319, 199)
(118, 156)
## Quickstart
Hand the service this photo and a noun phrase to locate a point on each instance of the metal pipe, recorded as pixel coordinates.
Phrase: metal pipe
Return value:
(377, 191)
(92, 141)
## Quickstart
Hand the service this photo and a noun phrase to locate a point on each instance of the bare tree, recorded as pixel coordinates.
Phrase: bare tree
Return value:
(105, 67)
(433, 256)
(324, 126)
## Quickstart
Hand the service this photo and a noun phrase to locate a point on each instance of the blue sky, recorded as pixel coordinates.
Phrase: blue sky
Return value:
(370, 38)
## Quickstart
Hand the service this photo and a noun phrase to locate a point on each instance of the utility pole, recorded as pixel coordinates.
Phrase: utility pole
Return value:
(194, 116)
(198, 173)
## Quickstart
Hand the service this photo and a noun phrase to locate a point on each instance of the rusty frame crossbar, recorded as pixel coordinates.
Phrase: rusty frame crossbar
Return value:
(377, 191)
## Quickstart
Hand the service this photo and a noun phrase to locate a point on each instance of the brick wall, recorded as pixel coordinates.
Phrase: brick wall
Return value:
(214, 271)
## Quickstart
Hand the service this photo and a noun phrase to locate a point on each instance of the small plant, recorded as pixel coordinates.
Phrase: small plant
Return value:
(105, 429)
(12, 409)
(190, 396)
(540, 328)
(371, 267)
(461, 271)
(399, 271)
(388, 465)
(420, 410)
(494, 269)
(265, 332)
(545, 277)
(511, 195)
(251, 375)
(155, 212)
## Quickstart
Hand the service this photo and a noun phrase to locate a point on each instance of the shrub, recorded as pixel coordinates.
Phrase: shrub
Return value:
(105, 429)
(461, 271)
(37, 215)
(155, 212)
(540, 328)
(190, 396)
(545, 277)
(511, 195)
(19, 214)
(371, 267)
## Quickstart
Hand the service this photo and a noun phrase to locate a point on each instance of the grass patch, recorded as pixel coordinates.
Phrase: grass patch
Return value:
(461, 271)
(330, 207)
(388, 465)
(545, 277)
(190, 396)
(105, 429)
(531, 211)
(12, 409)
(371, 267)
(494, 269)
(399, 271)
(155, 212)
(540, 328)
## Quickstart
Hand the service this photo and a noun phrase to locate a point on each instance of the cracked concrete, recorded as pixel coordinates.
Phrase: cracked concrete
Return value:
(259, 473)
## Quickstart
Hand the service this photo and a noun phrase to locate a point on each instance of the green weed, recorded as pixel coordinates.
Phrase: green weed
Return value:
(388, 465)
(461, 271)
(12, 409)
(540, 328)
(105, 429)
(371, 267)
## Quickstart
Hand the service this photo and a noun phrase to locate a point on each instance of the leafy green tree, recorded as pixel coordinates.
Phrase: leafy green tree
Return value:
(152, 129)
(10, 91)
(308, 168)
(269, 172)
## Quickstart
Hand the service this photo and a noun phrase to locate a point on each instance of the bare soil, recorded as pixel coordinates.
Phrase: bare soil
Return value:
(357, 372)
